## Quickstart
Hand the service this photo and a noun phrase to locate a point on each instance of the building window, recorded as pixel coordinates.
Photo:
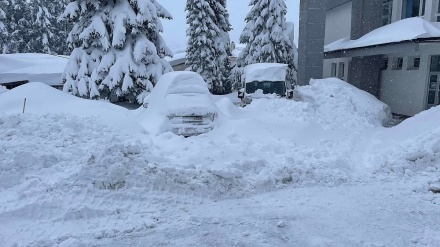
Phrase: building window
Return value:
(385, 64)
(387, 11)
(333, 72)
(435, 64)
(398, 63)
(413, 8)
(341, 70)
(413, 63)
(438, 12)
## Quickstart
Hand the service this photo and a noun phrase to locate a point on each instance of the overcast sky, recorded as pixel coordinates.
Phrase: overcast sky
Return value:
(174, 31)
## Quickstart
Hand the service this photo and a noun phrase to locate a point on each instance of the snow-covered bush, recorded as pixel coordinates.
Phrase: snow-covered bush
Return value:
(208, 42)
(117, 48)
(266, 39)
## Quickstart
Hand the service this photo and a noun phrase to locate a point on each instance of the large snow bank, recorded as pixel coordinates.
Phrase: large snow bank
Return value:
(70, 177)
(339, 105)
(42, 99)
(32, 67)
(411, 146)
(265, 72)
(403, 30)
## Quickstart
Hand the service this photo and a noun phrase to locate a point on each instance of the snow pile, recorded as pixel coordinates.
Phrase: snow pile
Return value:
(410, 147)
(32, 67)
(78, 169)
(339, 105)
(403, 30)
(42, 99)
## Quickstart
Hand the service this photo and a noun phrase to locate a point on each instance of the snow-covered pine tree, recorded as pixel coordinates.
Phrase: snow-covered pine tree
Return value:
(60, 27)
(265, 38)
(4, 34)
(16, 25)
(223, 45)
(202, 33)
(42, 31)
(19, 25)
(117, 48)
(208, 42)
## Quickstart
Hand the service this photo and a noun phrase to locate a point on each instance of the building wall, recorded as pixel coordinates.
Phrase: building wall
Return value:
(364, 73)
(366, 16)
(311, 40)
(405, 91)
(338, 23)
(328, 67)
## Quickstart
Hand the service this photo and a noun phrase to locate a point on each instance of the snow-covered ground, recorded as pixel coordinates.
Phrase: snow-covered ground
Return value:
(318, 172)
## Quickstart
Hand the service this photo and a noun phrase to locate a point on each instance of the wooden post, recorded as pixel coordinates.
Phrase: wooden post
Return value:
(24, 105)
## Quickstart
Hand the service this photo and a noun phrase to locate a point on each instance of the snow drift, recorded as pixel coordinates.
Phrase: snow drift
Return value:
(42, 99)
(339, 105)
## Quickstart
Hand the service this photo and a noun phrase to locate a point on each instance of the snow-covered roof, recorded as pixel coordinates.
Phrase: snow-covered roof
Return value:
(265, 72)
(177, 59)
(399, 31)
(31, 67)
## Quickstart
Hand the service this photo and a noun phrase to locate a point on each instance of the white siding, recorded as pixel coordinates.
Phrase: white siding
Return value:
(327, 68)
(404, 90)
(338, 23)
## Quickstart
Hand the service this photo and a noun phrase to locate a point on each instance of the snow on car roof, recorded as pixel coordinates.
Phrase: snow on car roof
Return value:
(182, 82)
(43, 68)
(403, 30)
(178, 82)
(265, 72)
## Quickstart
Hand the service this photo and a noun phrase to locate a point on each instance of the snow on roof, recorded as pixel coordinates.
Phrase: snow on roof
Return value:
(32, 67)
(265, 72)
(403, 30)
(177, 59)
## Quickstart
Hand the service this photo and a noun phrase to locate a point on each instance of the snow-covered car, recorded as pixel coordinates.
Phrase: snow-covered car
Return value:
(181, 103)
(264, 80)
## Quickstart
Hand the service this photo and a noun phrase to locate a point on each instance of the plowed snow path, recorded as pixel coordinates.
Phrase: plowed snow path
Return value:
(380, 214)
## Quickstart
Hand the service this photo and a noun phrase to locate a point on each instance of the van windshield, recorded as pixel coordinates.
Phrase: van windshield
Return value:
(268, 87)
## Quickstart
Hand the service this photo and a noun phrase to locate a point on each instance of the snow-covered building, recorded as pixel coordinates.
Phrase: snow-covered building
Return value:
(389, 48)
(21, 68)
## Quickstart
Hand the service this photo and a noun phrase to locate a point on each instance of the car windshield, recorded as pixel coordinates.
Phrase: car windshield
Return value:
(268, 87)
